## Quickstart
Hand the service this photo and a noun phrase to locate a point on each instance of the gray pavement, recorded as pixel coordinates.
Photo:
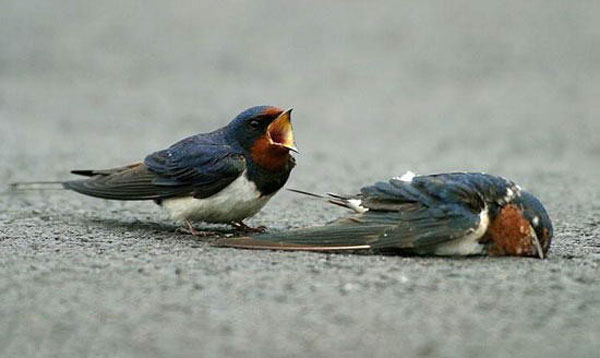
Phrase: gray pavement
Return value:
(509, 88)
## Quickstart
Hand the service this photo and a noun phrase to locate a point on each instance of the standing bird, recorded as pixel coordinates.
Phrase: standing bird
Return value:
(443, 214)
(223, 176)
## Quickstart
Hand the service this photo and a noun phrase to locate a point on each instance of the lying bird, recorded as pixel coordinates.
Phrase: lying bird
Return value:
(443, 214)
(223, 176)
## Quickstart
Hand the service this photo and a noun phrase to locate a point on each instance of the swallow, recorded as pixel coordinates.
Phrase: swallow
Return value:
(449, 214)
(224, 176)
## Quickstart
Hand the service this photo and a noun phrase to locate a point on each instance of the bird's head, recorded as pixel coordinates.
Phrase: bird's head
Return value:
(535, 213)
(521, 227)
(266, 133)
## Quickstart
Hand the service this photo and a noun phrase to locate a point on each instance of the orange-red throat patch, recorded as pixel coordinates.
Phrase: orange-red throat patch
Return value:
(271, 151)
(269, 156)
(511, 233)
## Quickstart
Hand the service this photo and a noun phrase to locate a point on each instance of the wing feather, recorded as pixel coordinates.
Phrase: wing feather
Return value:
(196, 166)
(415, 228)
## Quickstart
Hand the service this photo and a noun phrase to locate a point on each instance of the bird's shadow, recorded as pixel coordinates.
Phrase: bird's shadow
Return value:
(163, 229)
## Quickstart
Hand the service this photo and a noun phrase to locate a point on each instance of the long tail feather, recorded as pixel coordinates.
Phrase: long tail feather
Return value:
(341, 235)
(307, 193)
(250, 243)
(333, 198)
(36, 185)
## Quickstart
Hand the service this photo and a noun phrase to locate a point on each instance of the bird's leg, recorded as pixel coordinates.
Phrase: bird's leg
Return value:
(240, 226)
(192, 230)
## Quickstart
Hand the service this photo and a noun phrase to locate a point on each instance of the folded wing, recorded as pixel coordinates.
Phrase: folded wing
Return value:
(411, 227)
(190, 167)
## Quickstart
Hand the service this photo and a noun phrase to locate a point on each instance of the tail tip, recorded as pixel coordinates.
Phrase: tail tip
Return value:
(38, 185)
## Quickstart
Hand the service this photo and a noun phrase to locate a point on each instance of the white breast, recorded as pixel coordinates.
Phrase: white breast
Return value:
(239, 200)
(469, 244)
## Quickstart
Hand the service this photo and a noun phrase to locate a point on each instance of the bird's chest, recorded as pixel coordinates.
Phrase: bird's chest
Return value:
(239, 200)
(268, 181)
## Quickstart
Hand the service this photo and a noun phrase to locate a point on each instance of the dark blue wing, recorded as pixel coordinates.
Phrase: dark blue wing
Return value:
(466, 189)
(412, 229)
(202, 165)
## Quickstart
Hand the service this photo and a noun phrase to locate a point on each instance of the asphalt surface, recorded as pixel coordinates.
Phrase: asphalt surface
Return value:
(378, 88)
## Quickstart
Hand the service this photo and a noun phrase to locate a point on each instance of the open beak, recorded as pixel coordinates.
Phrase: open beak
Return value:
(281, 132)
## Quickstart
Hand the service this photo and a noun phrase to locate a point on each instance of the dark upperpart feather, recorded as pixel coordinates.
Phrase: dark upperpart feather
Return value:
(167, 176)
(132, 183)
(413, 229)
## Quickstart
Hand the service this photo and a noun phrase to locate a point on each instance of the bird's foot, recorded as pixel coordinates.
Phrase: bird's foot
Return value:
(241, 227)
(191, 230)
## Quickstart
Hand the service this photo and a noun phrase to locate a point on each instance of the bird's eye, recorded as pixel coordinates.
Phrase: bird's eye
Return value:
(253, 124)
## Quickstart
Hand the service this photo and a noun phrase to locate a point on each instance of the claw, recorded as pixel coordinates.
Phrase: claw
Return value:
(240, 226)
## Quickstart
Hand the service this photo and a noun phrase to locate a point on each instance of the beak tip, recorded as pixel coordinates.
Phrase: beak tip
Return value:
(538, 247)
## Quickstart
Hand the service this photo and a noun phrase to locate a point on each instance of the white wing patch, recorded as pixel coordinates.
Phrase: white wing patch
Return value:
(406, 177)
(509, 195)
(355, 204)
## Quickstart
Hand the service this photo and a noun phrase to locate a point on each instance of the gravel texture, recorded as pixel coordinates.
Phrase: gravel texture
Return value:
(509, 88)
